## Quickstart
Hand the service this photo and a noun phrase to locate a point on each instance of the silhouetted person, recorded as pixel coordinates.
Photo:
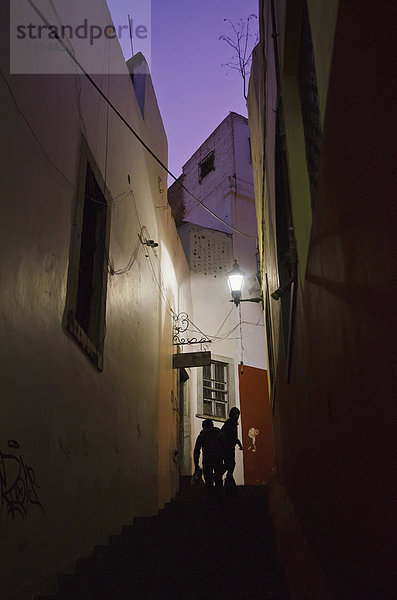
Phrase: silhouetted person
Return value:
(229, 430)
(212, 443)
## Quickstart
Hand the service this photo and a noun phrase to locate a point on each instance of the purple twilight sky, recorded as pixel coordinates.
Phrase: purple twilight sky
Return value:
(195, 93)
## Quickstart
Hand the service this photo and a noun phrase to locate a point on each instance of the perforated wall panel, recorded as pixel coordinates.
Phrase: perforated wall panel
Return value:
(211, 252)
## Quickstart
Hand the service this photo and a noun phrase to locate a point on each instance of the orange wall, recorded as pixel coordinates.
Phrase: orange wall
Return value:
(256, 414)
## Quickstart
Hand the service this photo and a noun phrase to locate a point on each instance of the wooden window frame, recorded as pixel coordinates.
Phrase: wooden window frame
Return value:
(229, 389)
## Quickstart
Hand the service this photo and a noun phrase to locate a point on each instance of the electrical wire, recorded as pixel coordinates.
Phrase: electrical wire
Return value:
(133, 258)
(158, 282)
(227, 335)
(127, 192)
(118, 198)
(135, 252)
(107, 126)
(161, 289)
(199, 330)
(224, 321)
(21, 114)
(116, 111)
(191, 206)
(217, 341)
(241, 334)
(77, 78)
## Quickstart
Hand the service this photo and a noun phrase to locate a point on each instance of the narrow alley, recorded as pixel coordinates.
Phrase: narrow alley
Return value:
(181, 249)
(191, 550)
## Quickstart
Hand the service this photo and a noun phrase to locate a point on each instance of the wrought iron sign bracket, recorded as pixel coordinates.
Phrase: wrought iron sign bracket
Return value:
(182, 325)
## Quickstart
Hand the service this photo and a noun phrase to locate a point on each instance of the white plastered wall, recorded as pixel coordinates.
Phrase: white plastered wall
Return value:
(210, 248)
(100, 445)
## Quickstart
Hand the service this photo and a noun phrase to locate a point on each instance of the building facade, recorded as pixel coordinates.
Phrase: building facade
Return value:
(219, 175)
(92, 273)
(321, 105)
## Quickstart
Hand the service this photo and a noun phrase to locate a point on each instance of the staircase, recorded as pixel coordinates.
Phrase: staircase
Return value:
(193, 549)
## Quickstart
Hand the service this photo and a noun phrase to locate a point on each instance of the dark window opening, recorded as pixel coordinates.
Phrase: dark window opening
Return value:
(85, 311)
(309, 103)
(206, 165)
(90, 288)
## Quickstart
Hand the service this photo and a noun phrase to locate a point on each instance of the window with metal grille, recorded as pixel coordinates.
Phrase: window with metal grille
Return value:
(206, 165)
(215, 390)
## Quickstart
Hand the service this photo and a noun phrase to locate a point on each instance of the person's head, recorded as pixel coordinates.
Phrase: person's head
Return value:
(234, 413)
(207, 424)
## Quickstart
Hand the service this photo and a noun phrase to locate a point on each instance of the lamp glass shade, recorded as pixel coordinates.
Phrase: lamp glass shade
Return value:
(235, 278)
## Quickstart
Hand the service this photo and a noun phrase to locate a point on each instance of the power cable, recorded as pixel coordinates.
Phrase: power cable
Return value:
(118, 198)
(77, 78)
(129, 265)
(107, 125)
(224, 321)
(33, 132)
(217, 341)
(116, 111)
(191, 206)
(241, 335)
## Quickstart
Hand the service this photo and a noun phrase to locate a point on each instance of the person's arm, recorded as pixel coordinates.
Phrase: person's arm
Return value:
(196, 452)
(235, 437)
(229, 430)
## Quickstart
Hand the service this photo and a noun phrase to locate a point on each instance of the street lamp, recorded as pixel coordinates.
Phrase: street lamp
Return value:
(235, 279)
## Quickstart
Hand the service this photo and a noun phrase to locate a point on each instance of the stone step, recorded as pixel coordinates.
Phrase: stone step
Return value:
(191, 549)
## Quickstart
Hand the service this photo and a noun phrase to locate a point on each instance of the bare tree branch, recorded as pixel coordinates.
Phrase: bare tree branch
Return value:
(241, 42)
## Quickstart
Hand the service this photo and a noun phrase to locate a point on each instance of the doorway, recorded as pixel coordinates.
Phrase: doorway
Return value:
(183, 425)
(257, 436)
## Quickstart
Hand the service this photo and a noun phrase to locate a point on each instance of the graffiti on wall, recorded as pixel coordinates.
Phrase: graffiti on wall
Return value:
(65, 450)
(253, 434)
(18, 486)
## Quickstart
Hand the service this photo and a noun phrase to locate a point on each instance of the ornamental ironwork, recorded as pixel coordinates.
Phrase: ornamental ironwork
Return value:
(183, 325)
